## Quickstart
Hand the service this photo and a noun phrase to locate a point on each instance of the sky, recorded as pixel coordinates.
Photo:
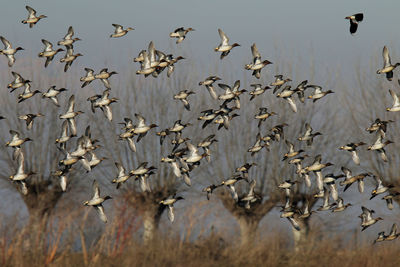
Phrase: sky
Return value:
(295, 28)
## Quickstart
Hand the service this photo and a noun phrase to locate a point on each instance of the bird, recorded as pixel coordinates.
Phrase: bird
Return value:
(32, 18)
(141, 129)
(103, 75)
(396, 103)
(69, 58)
(250, 197)
(287, 185)
(230, 183)
(257, 65)
(263, 114)
(169, 202)
(194, 155)
(317, 165)
(354, 20)
(208, 83)
(308, 135)
(301, 87)
(366, 218)
(326, 206)
(62, 174)
(180, 34)
(88, 78)
(381, 237)
(244, 169)
(64, 135)
(389, 199)
(340, 206)
(379, 146)
(48, 52)
(257, 145)
(146, 68)
(28, 118)
(318, 93)
(120, 31)
(128, 136)
(27, 93)
(70, 115)
(287, 94)
(279, 81)
(209, 189)
(97, 201)
(230, 92)
(179, 126)
(380, 188)
(258, 90)
(103, 102)
(379, 126)
(224, 46)
(16, 140)
(393, 233)
(142, 169)
(8, 51)
(94, 160)
(18, 82)
(206, 143)
(182, 96)
(387, 65)
(352, 147)
(52, 94)
(350, 179)
(21, 175)
(67, 41)
(291, 152)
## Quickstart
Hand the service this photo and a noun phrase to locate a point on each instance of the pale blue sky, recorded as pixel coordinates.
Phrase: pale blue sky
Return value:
(294, 25)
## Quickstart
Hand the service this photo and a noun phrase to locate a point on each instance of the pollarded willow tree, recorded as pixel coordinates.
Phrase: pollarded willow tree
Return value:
(135, 97)
(270, 170)
(42, 155)
(368, 102)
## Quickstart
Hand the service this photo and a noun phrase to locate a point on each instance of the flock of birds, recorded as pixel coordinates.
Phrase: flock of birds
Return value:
(186, 156)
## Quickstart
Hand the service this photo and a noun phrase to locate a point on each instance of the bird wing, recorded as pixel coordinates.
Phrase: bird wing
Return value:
(102, 214)
(21, 160)
(70, 33)
(96, 189)
(121, 169)
(308, 129)
(353, 26)
(141, 119)
(6, 43)
(395, 98)
(108, 112)
(71, 104)
(32, 12)
(386, 57)
(290, 145)
(118, 28)
(171, 215)
(224, 38)
(255, 52)
(49, 46)
(393, 231)
(131, 144)
(292, 104)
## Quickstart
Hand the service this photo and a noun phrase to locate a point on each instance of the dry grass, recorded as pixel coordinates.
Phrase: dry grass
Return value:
(64, 243)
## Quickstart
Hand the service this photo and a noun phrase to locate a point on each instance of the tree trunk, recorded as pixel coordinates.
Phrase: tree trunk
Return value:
(151, 220)
(300, 237)
(39, 205)
(248, 229)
